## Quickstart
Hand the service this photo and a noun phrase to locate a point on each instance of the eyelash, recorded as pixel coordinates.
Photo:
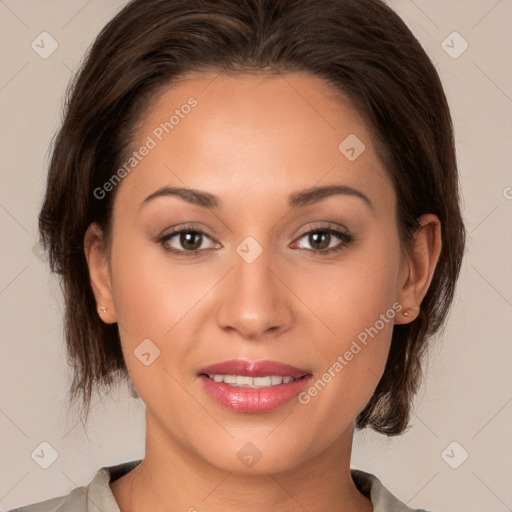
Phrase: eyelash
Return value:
(345, 237)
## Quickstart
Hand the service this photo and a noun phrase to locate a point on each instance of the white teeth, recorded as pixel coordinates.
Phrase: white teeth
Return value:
(239, 381)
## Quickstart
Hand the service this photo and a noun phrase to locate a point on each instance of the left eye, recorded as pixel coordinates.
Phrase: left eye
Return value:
(321, 240)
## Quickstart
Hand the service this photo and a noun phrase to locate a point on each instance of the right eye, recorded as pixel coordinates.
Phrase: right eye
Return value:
(185, 241)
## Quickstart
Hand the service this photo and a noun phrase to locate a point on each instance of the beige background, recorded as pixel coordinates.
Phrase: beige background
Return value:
(467, 395)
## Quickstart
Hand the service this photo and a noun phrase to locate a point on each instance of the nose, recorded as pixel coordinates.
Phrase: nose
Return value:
(253, 300)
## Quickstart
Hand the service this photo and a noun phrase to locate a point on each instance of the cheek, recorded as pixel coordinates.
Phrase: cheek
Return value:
(354, 304)
(139, 289)
(349, 295)
(150, 292)
(157, 298)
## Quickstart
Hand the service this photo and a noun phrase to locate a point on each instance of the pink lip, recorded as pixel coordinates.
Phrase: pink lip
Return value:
(253, 400)
(258, 369)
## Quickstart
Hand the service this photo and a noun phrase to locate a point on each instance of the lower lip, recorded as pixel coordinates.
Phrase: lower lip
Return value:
(254, 400)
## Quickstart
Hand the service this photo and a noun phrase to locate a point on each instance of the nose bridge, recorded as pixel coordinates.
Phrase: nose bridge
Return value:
(253, 300)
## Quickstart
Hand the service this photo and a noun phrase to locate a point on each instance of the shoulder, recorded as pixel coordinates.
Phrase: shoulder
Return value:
(382, 499)
(94, 497)
(76, 500)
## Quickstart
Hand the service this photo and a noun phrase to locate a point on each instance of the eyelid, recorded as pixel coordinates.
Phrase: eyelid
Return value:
(319, 225)
(190, 226)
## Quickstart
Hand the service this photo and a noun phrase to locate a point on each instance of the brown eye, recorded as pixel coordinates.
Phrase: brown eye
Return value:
(323, 240)
(191, 240)
(319, 239)
(185, 241)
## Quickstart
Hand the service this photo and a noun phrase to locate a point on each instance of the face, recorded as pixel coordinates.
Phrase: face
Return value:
(247, 262)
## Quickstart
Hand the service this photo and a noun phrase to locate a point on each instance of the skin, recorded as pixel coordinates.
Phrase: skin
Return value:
(253, 140)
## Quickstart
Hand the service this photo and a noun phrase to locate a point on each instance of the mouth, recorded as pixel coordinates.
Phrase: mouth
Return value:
(253, 387)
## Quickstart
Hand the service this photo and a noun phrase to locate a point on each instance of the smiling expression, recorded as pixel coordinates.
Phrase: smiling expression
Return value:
(249, 232)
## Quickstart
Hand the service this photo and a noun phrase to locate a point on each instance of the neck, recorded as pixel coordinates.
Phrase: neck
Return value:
(174, 478)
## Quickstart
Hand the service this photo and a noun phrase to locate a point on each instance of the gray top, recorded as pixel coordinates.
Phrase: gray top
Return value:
(97, 496)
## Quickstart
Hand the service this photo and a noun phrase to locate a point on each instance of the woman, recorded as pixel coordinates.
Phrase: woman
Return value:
(254, 209)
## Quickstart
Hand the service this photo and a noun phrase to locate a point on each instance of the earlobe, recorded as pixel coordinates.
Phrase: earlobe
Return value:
(99, 272)
(421, 263)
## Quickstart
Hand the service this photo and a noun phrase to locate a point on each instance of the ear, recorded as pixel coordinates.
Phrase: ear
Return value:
(418, 268)
(99, 272)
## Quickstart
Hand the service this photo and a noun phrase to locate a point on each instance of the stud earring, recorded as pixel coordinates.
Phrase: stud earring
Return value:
(103, 309)
(406, 312)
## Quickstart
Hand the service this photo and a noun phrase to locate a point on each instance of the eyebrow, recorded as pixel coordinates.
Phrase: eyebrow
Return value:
(316, 194)
(295, 200)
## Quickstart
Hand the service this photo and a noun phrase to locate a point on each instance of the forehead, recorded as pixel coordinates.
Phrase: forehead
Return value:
(254, 133)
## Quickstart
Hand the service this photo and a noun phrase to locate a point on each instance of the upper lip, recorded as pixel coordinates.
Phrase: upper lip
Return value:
(253, 369)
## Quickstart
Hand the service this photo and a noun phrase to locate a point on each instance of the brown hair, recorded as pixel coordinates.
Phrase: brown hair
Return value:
(361, 47)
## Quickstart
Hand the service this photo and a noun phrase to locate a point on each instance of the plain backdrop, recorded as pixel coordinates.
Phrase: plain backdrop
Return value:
(457, 456)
